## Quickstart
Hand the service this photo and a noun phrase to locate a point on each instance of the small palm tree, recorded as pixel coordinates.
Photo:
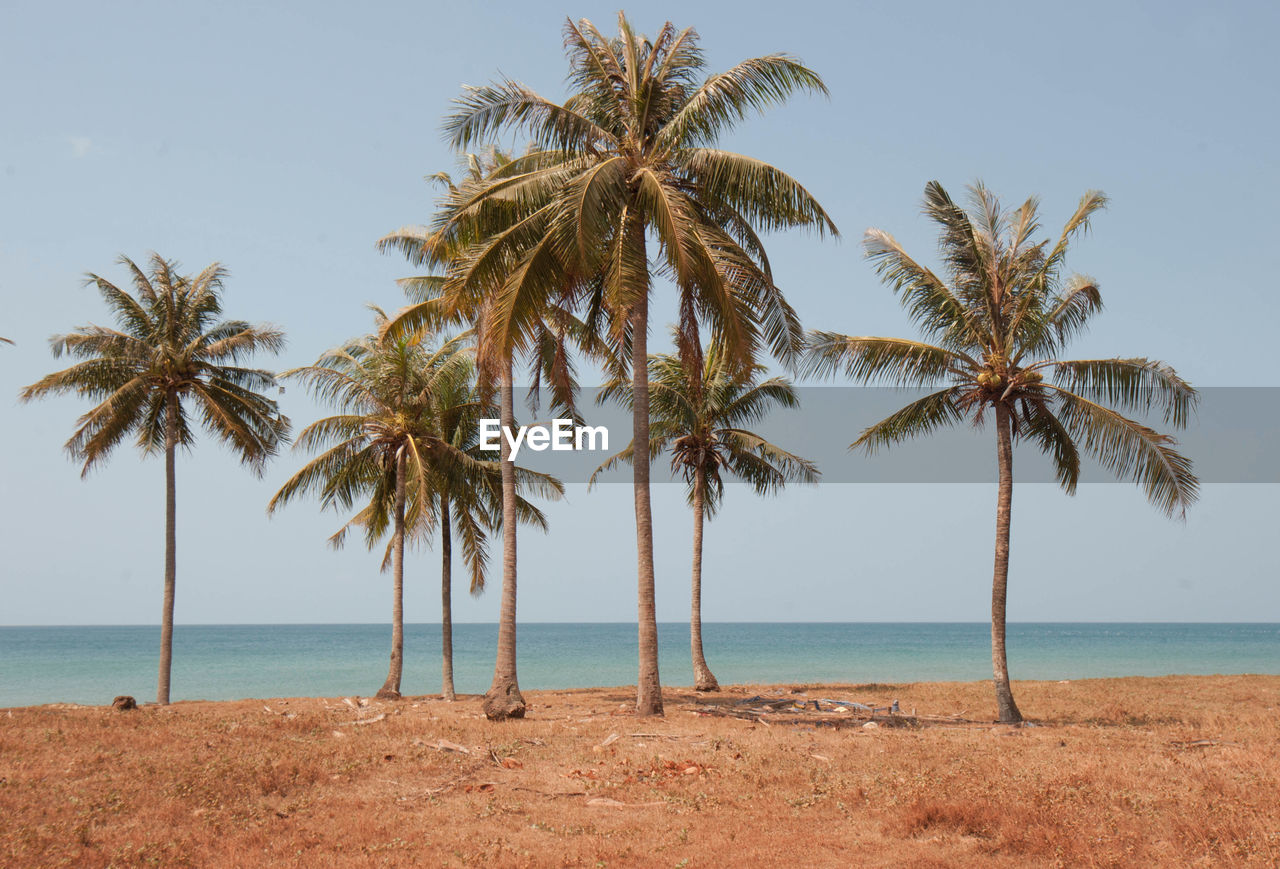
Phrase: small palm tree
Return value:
(700, 417)
(170, 347)
(398, 448)
(1000, 321)
(385, 447)
(475, 512)
(629, 155)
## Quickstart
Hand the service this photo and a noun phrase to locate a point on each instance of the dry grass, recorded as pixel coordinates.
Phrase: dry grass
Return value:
(1120, 772)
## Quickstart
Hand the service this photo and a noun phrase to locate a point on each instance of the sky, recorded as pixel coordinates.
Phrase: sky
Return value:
(283, 140)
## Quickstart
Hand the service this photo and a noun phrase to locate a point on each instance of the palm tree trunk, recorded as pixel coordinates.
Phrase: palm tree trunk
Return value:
(1009, 713)
(391, 688)
(703, 678)
(648, 684)
(503, 699)
(170, 546)
(446, 602)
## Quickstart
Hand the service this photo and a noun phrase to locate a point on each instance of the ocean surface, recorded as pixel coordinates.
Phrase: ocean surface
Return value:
(222, 662)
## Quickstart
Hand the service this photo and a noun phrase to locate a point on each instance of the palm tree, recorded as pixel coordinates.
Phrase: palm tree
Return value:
(475, 511)
(170, 346)
(700, 417)
(1000, 321)
(629, 155)
(552, 330)
(403, 444)
(385, 446)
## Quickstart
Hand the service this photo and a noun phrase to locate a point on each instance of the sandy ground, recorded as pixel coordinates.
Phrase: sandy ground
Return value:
(1117, 772)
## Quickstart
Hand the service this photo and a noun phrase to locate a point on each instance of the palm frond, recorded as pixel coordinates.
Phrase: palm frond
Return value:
(481, 112)
(894, 361)
(791, 468)
(1055, 441)
(751, 86)
(929, 301)
(1131, 450)
(761, 193)
(1078, 224)
(919, 418)
(1134, 384)
(1049, 330)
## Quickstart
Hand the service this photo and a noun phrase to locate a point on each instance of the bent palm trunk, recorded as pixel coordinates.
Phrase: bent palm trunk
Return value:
(391, 688)
(446, 602)
(1008, 710)
(503, 699)
(703, 679)
(170, 547)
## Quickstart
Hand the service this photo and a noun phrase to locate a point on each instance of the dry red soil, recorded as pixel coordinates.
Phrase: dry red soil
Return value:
(1117, 772)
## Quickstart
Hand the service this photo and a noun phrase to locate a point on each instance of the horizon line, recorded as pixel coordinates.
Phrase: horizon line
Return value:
(668, 622)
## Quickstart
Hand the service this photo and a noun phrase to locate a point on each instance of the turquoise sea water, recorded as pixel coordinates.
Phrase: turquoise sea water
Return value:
(221, 662)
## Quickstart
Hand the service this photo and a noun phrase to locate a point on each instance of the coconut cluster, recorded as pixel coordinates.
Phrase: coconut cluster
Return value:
(992, 382)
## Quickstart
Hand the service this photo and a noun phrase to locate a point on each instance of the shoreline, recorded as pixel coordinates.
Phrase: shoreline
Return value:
(732, 689)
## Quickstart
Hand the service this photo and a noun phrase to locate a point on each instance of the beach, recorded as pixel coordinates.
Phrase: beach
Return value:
(643, 447)
(1114, 772)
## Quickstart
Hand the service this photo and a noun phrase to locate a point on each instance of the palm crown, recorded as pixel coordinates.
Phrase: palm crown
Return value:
(701, 418)
(552, 332)
(406, 401)
(169, 346)
(631, 151)
(385, 389)
(1000, 323)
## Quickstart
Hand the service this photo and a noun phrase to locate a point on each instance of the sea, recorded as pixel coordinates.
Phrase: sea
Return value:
(93, 664)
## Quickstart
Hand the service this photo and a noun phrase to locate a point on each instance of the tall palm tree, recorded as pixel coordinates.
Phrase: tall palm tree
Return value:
(385, 447)
(630, 155)
(1000, 319)
(170, 347)
(700, 416)
(552, 329)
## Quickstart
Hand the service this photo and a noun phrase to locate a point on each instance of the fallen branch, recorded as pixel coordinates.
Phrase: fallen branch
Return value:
(663, 736)
(550, 793)
(359, 721)
(430, 792)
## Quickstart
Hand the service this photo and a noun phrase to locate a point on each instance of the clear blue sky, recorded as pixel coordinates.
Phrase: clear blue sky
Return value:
(284, 139)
